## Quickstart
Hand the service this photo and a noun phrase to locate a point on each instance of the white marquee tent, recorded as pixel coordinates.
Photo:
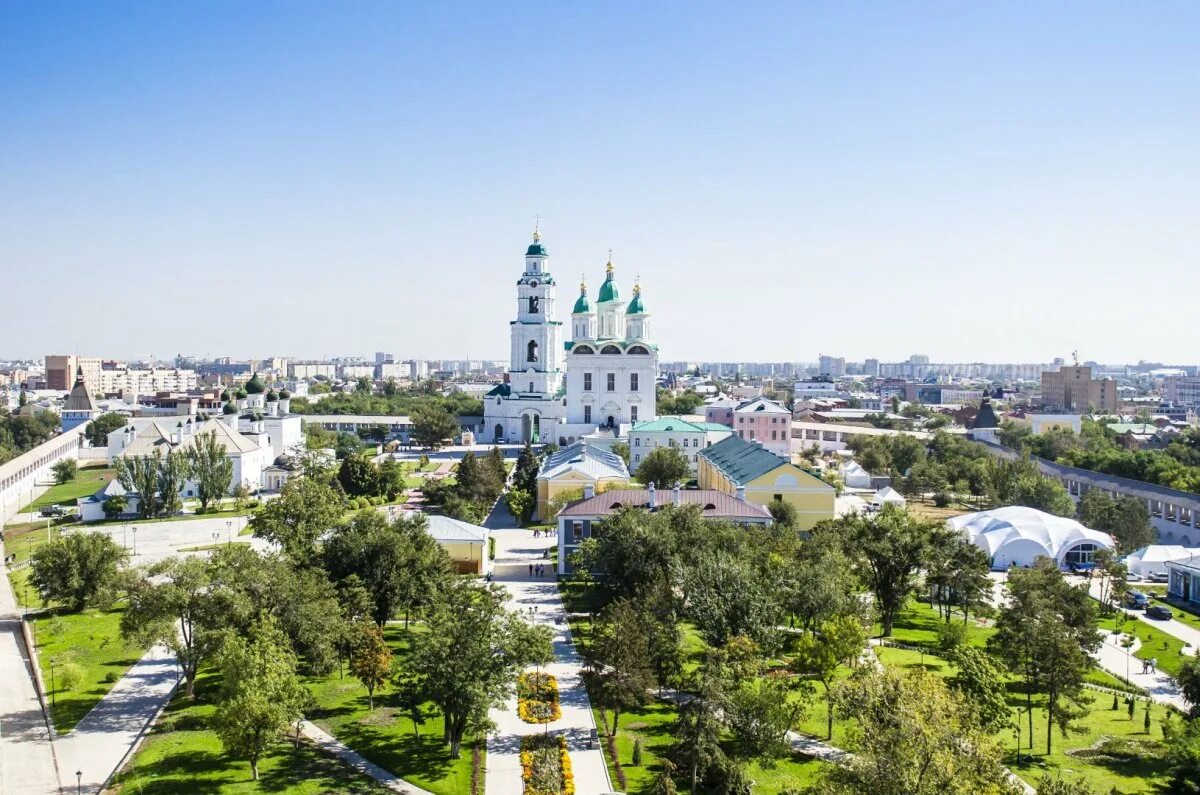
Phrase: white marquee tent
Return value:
(888, 496)
(1154, 558)
(1016, 535)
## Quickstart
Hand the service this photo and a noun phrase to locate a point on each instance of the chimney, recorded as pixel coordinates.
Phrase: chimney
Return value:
(653, 501)
(177, 434)
(675, 495)
(589, 491)
(741, 493)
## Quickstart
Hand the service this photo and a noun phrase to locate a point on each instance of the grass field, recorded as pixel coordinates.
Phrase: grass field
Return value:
(1156, 644)
(386, 736)
(86, 483)
(917, 624)
(183, 755)
(90, 640)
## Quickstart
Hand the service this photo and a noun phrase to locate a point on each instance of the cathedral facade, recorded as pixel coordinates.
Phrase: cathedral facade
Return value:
(560, 390)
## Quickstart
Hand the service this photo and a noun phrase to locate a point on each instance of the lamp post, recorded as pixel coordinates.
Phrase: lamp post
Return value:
(228, 531)
(125, 536)
(53, 687)
(134, 529)
(78, 782)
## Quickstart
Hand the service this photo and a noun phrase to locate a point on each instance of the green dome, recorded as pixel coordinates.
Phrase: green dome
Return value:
(582, 305)
(225, 395)
(272, 396)
(535, 250)
(284, 394)
(636, 307)
(609, 290)
(255, 386)
(229, 409)
(240, 394)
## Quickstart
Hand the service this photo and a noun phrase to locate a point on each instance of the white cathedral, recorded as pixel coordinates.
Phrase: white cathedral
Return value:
(603, 378)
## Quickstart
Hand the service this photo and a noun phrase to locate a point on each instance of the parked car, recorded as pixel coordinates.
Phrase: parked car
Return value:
(1159, 612)
(1159, 576)
(1137, 600)
(1133, 576)
(53, 510)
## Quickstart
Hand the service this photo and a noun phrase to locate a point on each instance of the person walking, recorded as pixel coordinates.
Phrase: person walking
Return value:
(531, 574)
(1153, 665)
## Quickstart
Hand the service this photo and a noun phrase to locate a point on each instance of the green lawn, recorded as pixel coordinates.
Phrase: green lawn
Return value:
(1156, 644)
(183, 755)
(917, 625)
(86, 483)
(385, 736)
(90, 640)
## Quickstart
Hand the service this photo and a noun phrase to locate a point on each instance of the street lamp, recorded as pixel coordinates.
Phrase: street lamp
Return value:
(216, 536)
(134, 528)
(53, 687)
(228, 531)
(78, 782)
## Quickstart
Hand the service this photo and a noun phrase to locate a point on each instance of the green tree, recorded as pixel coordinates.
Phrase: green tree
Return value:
(432, 426)
(139, 474)
(1125, 518)
(982, 683)
(699, 725)
(727, 595)
(783, 513)
(1182, 741)
(1188, 678)
(370, 659)
(820, 583)
(1058, 785)
(173, 474)
(358, 476)
(761, 712)
(521, 503)
(622, 449)
(890, 548)
(837, 642)
(114, 506)
(78, 570)
(176, 603)
(915, 738)
(468, 657)
(260, 693)
(304, 511)
(620, 671)
(525, 475)
(664, 467)
(211, 468)
(98, 429)
(65, 470)
(391, 478)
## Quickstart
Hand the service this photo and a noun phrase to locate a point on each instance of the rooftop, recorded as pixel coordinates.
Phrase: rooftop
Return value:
(713, 504)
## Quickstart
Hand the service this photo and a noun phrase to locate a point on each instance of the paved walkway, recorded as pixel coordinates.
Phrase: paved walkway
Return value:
(515, 549)
(331, 745)
(1173, 627)
(100, 742)
(1116, 660)
(27, 764)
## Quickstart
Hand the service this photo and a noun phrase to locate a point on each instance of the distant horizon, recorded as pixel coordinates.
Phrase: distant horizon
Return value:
(1002, 183)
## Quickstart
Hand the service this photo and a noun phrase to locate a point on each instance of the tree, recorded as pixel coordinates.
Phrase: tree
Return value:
(1182, 740)
(114, 506)
(77, 569)
(820, 583)
(65, 470)
(1188, 678)
(838, 641)
(957, 572)
(211, 467)
(783, 513)
(890, 548)
(469, 655)
(664, 467)
(526, 472)
(370, 659)
(981, 682)
(698, 728)
(622, 449)
(97, 430)
(914, 738)
(760, 714)
(176, 603)
(521, 503)
(260, 693)
(432, 426)
(1125, 518)
(728, 596)
(173, 473)
(391, 478)
(139, 474)
(1045, 634)
(304, 511)
(1063, 786)
(398, 562)
(620, 671)
(358, 476)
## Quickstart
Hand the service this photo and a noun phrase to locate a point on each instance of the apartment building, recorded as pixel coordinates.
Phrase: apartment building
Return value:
(1073, 389)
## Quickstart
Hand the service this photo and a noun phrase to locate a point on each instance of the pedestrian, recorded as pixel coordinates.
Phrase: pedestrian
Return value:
(1144, 664)
(1153, 664)
(530, 569)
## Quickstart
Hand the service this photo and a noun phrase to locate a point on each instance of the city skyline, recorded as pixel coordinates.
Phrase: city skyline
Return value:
(315, 179)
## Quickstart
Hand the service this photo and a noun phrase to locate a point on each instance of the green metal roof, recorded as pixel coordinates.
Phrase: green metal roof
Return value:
(665, 424)
(582, 306)
(636, 307)
(609, 290)
(536, 250)
(741, 461)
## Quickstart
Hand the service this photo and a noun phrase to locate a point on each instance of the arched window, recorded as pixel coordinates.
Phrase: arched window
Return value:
(638, 349)
(583, 349)
(531, 351)
(708, 506)
(533, 304)
(610, 349)
(530, 386)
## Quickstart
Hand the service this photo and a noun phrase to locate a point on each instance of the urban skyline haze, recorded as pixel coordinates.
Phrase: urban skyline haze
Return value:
(979, 182)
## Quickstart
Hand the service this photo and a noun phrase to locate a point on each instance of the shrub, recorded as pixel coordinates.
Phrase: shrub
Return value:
(636, 759)
(950, 636)
(491, 548)
(112, 677)
(68, 675)
(941, 499)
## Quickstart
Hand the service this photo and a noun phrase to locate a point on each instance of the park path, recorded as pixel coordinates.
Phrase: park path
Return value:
(334, 747)
(516, 549)
(27, 761)
(99, 744)
(1158, 685)
(1173, 627)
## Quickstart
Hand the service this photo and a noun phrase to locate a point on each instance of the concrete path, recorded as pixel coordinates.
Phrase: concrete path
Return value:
(98, 745)
(331, 745)
(27, 763)
(1116, 660)
(154, 541)
(515, 550)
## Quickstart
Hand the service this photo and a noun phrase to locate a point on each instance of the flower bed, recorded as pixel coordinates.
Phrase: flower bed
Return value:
(546, 766)
(537, 698)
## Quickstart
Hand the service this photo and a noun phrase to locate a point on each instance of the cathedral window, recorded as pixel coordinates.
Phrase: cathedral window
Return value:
(633, 413)
(587, 382)
(633, 382)
(530, 386)
(533, 304)
(612, 382)
(531, 351)
(587, 413)
(638, 349)
(610, 349)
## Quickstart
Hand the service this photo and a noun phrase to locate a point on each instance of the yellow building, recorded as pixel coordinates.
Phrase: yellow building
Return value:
(466, 544)
(574, 468)
(739, 467)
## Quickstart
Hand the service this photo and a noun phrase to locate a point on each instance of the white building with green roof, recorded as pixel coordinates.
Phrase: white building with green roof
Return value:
(560, 391)
(687, 436)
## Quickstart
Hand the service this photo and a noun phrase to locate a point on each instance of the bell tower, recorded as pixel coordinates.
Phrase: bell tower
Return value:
(535, 362)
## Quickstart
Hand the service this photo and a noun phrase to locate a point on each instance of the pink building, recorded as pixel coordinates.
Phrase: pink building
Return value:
(765, 421)
(720, 411)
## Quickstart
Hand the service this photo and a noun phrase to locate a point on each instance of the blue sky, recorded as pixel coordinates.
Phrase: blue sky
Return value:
(1005, 181)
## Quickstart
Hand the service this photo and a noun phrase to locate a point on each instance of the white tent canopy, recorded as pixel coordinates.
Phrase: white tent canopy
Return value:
(888, 496)
(1153, 559)
(1017, 535)
(854, 476)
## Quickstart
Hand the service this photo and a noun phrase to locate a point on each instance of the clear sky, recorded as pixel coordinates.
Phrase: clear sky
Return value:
(976, 181)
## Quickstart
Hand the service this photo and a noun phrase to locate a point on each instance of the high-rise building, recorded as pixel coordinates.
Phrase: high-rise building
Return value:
(834, 366)
(871, 367)
(61, 371)
(1074, 389)
(1182, 390)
